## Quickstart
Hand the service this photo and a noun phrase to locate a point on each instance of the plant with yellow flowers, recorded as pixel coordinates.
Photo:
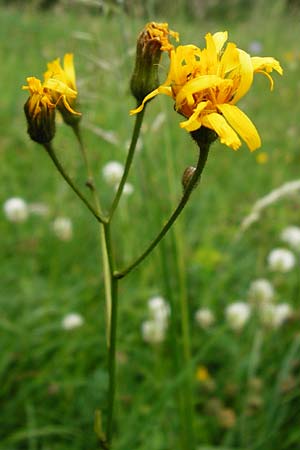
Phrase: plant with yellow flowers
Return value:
(205, 85)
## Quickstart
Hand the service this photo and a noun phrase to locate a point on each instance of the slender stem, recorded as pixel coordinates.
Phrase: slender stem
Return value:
(61, 170)
(184, 199)
(112, 336)
(130, 155)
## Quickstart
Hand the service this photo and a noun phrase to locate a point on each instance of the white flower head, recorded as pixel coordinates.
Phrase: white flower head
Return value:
(261, 291)
(281, 260)
(291, 236)
(153, 331)
(275, 315)
(15, 209)
(63, 228)
(204, 317)
(159, 310)
(112, 172)
(71, 321)
(237, 314)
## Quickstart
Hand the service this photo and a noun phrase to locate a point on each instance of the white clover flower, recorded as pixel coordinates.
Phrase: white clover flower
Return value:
(275, 315)
(15, 209)
(153, 331)
(159, 310)
(63, 228)
(204, 317)
(291, 236)
(237, 314)
(112, 172)
(261, 291)
(281, 260)
(71, 321)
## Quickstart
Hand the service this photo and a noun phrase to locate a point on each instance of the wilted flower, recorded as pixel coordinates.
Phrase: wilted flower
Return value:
(63, 228)
(261, 291)
(153, 331)
(71, 321)
(281, 260)
(15, 209)
(40, 112)
(204, 317)
(159, 309)
(152, 41)
(291, 236)
(237, 314)
(206, 84)
(112, 172)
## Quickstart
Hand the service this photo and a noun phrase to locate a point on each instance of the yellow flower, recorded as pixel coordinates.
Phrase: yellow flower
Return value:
(40, 112)
(202, 374)
(206, 84)
(40, 97)
(262, 158)
(57, 77)
(161, 32)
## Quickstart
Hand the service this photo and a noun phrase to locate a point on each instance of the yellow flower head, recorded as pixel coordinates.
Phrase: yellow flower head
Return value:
(62, 82)
(40, 111)
(151, 42)
(206, 84)
(161, 33)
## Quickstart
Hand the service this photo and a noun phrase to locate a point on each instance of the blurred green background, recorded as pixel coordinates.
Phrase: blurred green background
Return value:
(53, 379)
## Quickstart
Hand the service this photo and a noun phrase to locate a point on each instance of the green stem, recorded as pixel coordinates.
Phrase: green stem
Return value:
(111, 297)
(130, 155)
(112, 336)
(66, 177)
(203, 153)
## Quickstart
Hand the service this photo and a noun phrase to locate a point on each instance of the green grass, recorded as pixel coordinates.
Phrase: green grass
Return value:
(52, 380)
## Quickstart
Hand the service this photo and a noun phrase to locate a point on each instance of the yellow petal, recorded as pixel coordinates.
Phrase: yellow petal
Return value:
(211, 53)
(70, 70)
(267, 64)
(195, 86)
(227, 135)
(229, 60)
(244, 75)
(60, 87)
(146, 99)
(219, 39)
(241, 124)
(68, 107)
(194, 122)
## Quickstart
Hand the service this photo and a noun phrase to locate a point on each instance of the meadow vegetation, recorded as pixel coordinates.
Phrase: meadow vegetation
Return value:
(53, 377)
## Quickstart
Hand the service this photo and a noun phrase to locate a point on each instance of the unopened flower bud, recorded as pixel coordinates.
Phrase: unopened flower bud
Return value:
(152, 41)
(187, 176)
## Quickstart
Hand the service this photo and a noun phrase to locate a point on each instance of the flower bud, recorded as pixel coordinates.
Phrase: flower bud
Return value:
(152, 41)
(40, 112)
(187, 176)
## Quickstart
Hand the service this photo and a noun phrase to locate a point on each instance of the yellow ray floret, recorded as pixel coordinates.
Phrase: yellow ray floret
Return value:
(206, 84)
